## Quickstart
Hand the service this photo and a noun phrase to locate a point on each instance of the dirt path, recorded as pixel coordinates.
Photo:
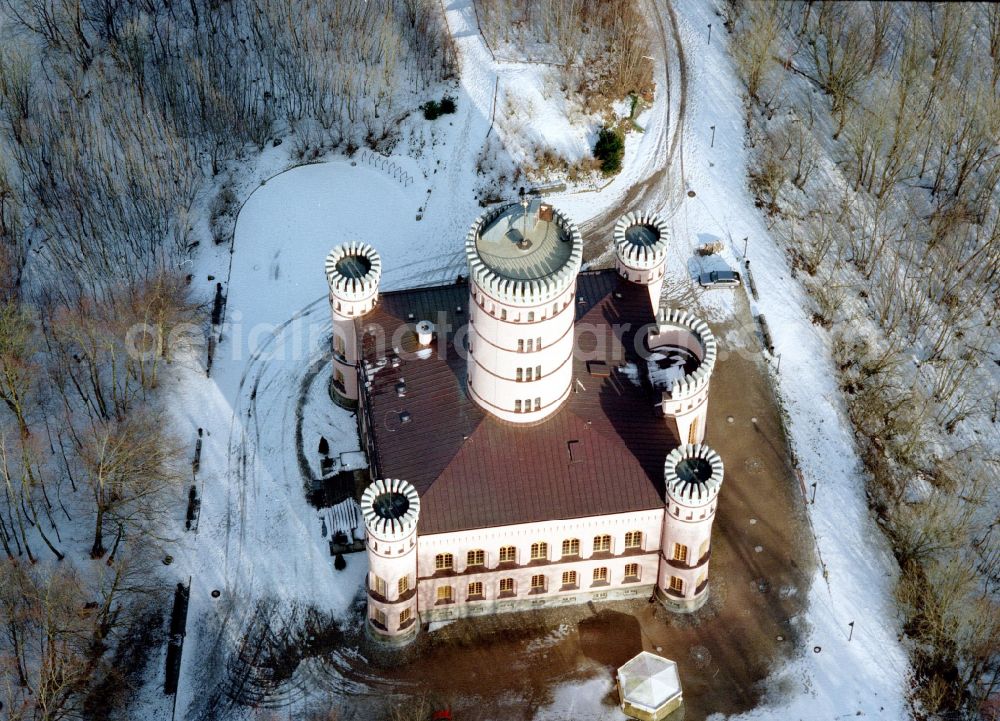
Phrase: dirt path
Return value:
(663, 189)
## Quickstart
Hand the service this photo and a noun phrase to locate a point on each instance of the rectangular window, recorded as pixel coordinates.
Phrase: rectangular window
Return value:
(444, 594)
(633, 539)
(602, 544)
(444, 562)
(538, 371)
(506, 585)
(631, 571)
(539, 551)
(538, 342)
(379, 586)
(571, 547)
(538, 404)
(476, 558)
(476, 589)
(680, 552)
(538, 582)
(404, 585)
(531, 345)
(520, 375)
(508, 554)
(531, 316)
(517, 406)
(520, 346)
(703, 550)
(527, 374)
(405, 615)
(378, 616)
(676, 584)
(569, 578)
(601, 575)
(503, 314)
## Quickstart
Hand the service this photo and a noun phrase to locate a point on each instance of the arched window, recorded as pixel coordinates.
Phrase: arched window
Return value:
(602, 544)
(444, 562)
(476, 557)
(569, 578)
(633, 539)
(539, 551)
(508, 554)
(571, 547)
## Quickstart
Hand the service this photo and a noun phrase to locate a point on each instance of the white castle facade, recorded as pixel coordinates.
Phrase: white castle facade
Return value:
(536, 432)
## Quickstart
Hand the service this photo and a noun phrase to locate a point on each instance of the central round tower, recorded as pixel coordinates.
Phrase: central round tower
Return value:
(523, 262)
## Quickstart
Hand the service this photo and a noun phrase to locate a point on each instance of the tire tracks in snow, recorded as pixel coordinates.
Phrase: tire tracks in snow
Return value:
(663, 186)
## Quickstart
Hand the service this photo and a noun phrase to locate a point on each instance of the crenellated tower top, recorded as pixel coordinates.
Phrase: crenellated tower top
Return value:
(353, 271)
(391, 509)
(525, 253)
(693, 474)
(641, 240)
(689, 336)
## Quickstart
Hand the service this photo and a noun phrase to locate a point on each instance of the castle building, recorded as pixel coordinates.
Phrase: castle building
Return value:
(537, 431)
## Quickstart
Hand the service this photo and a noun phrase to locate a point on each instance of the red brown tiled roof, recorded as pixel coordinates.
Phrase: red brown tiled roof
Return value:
(601, 453)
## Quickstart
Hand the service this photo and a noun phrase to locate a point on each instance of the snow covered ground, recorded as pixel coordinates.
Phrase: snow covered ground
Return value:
(859, 674)
(258, 538)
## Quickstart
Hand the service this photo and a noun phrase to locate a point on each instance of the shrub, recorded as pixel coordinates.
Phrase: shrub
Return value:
(609, 150)
(433, 109)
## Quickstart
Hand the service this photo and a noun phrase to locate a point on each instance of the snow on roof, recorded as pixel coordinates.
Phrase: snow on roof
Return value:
(353, 460)
(649, 681)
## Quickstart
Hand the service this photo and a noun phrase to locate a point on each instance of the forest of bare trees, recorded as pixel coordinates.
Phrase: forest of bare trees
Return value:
(874, 141)
(117, 118)
(599, 48)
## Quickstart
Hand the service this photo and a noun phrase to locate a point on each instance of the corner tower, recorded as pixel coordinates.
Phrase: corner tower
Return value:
(353, 271)
(391, 509)
(641, 251)
(682, 353)
(523, 262)
(693, 475)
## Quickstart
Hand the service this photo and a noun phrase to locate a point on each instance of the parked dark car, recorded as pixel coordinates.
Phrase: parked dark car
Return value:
(719, 279)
